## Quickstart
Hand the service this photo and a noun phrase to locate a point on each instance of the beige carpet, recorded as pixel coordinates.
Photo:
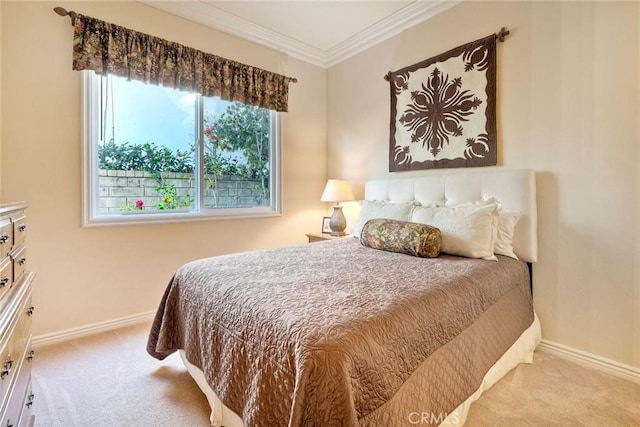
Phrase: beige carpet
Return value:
(109, 380)
(555, 392)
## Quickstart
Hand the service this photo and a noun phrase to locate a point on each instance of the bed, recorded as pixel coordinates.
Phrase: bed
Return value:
(338, 333)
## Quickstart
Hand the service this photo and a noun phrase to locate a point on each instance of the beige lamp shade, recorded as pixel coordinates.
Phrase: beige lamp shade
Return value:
(337, 191)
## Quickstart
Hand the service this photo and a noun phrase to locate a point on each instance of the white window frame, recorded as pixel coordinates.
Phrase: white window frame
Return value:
(91, 134)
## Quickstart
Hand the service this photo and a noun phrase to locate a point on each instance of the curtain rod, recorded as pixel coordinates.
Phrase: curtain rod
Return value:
(63, 12)
(500, 35)
(73, 15)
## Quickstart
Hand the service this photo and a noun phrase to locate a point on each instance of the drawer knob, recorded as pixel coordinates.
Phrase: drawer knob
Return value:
(6, 368)
(30, 311)
(22, 227)
(4, 238)
(22, 261)
(3, 282)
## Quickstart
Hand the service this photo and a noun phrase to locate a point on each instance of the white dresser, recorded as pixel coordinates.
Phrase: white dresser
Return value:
(16, 311)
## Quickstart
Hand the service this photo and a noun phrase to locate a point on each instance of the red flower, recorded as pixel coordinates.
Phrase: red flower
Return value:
(139, 204)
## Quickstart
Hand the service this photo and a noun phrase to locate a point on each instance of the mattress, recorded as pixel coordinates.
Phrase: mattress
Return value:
(335, 333)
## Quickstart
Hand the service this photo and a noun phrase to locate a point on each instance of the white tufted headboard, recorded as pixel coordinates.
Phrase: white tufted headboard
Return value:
(515, 189)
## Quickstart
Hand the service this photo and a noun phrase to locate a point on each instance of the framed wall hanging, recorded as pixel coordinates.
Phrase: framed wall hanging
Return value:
(443, 109)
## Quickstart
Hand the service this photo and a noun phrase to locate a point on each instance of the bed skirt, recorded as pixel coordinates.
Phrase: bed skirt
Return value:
(520, 352)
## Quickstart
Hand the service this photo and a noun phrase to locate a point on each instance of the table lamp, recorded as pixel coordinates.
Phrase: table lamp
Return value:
(337, 191)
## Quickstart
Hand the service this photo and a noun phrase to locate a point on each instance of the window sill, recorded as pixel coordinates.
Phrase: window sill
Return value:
(158, 217)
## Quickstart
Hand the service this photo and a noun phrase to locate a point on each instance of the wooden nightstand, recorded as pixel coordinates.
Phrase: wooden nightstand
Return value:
(319, 237)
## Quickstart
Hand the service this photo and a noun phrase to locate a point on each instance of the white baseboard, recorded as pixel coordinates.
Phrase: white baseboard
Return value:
(591, 360)
(94, 328)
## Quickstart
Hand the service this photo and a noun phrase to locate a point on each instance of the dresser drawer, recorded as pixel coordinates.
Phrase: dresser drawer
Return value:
(27, 418)
(6, 369)
(22, 331)
(19, 229)
(19, 257)
(21, 397)
(6, 276)
(6, 236)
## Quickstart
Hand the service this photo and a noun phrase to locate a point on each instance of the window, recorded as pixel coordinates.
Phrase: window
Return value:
(158, 154)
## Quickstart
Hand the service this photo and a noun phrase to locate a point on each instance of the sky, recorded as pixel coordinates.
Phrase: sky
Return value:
(167, 120)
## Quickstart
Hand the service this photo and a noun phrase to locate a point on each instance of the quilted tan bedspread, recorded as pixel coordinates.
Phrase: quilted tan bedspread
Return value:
(338, 334)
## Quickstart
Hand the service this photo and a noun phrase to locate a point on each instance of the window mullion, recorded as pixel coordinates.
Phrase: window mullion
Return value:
(199, 172)
(275, 177)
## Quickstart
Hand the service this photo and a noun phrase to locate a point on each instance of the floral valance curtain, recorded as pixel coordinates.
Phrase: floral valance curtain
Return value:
(111, 49)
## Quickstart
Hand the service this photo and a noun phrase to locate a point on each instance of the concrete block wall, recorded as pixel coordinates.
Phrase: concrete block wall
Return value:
(120, 188)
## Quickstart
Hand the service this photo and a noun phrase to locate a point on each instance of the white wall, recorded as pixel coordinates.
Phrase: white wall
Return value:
(94, 275)
(568, 107)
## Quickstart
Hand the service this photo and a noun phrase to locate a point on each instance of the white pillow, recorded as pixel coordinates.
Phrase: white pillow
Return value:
(504, 227)
(503, 244)
(467, 230)
(371, 209)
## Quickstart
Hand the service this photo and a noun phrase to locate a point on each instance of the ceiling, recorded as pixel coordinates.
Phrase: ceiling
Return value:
(323, 33)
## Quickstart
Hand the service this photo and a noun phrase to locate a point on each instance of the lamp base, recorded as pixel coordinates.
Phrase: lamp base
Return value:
(338, 222)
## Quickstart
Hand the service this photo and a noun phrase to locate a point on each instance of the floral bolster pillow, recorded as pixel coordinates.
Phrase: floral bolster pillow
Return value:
(404, 237)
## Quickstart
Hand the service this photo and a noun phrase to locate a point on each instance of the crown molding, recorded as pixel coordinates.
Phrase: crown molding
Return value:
(206, 14)
(390, 26)
(210, 16)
